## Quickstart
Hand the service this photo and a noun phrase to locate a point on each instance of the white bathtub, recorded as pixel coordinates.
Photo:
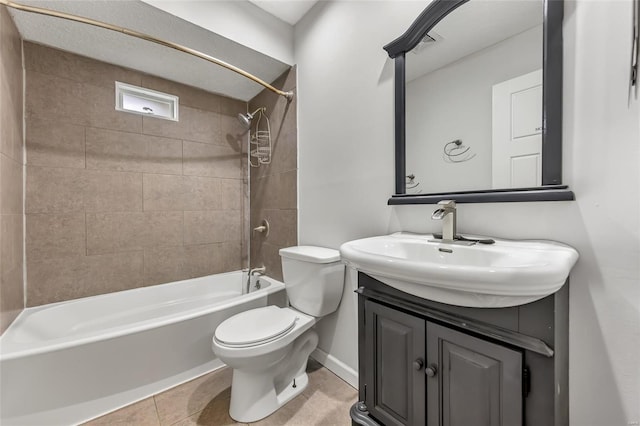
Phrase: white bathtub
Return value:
(68, 362)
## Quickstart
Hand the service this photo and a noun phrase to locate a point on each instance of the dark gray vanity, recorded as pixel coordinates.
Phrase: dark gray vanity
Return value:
(429, 363)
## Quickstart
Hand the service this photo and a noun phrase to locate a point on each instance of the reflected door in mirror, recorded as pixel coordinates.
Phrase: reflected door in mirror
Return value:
(517, 132)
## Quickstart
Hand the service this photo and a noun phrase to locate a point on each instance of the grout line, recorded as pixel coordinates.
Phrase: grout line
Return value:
(84, 146)
(24, 176)
(155, 404)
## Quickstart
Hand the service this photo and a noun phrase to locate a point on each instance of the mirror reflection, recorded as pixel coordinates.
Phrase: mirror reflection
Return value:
(474, 100)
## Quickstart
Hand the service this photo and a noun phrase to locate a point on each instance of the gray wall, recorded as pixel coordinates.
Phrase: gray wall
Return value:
(345, 82)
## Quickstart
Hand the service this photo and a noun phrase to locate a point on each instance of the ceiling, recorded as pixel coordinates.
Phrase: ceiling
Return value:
(120, 49)
(290, 11)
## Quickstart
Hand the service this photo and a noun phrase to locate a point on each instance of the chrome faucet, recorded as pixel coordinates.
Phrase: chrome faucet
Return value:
(252, 272)
(447, 214)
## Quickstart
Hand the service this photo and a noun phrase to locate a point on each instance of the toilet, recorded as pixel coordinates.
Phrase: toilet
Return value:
(268, 347)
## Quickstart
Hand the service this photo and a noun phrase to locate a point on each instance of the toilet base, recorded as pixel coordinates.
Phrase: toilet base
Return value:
(244, 411)
(257, 394)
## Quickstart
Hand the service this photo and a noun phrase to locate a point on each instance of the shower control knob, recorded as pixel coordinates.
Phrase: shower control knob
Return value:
(418, 364)
(431, 371)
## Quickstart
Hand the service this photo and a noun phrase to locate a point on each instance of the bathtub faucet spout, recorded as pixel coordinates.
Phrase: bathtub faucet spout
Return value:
(253, 272)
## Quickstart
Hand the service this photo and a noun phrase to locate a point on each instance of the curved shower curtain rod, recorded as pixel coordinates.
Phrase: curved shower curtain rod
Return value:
(70, 17)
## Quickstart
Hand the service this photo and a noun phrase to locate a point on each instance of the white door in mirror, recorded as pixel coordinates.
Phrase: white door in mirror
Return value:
(517, 132)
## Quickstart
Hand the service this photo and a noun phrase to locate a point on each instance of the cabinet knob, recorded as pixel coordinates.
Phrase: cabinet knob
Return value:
(418, 364)
(431, 371)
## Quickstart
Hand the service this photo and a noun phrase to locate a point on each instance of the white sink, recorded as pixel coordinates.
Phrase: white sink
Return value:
(507, 273)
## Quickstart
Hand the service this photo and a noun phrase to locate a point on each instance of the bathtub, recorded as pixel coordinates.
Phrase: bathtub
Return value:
(68, 362)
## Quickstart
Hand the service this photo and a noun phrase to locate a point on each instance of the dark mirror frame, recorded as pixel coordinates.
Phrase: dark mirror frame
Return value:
(552, 189)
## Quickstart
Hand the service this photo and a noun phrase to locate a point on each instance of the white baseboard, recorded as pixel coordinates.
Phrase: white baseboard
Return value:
(336, 366)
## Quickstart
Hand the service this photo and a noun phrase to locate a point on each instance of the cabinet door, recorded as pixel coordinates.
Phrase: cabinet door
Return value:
(394, 359)
(474, 382)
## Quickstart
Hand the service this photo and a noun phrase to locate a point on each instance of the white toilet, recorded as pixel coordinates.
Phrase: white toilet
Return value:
(268, 347)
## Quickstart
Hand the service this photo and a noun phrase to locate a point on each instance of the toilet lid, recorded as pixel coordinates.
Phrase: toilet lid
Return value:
(255, 326)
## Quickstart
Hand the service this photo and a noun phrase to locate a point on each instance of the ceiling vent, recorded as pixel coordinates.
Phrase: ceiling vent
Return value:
(138, 100)
(427, 41)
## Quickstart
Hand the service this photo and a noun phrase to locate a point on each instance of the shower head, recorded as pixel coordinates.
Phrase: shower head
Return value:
(245, 119)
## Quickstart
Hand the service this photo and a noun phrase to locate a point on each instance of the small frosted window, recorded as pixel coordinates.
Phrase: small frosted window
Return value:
(138, 100)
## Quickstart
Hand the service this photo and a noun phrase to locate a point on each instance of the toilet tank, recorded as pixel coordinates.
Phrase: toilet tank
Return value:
(313, 278)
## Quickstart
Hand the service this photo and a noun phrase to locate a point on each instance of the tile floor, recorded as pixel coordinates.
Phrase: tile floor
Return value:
(205, 401)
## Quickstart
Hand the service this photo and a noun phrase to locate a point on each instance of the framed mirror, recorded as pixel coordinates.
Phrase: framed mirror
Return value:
(478, 103)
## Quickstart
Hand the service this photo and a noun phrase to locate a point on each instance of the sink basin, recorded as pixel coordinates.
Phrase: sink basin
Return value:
(507, 273)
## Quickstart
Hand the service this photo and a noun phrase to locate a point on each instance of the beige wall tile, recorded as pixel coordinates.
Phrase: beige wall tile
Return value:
(203, 193)
(54, 190)
(141, 413)
(122, 151)
(232, 256)
(232, 107)
(11, 120)
(203, 259)
(276, 191)
(11, 241)
(52, 280)
(211, 161)
(163, 229)
(168, 264)
(283, 120)
(206, 259)
(48, 60)
(112, 191)
(285, 189)
(272, 260)
(202, 227)
(51, 236)
(11, 295)
(194, 125)
(282, 230)
(164, 265)
(165, 192)
(231, 193)
(61, 190)
(55, 144)
(118, 232)
(10, 185)
(61, 99)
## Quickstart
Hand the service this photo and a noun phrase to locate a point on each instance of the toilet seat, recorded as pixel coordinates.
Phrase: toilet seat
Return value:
(255, 327)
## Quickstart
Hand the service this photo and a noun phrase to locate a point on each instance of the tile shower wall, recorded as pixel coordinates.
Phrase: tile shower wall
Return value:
(11, 171)
(116, 201)
(274, 186)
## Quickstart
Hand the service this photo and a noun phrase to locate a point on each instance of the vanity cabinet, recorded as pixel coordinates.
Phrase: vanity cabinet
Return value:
(427, 363)
(420, 372)
(394, 364)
